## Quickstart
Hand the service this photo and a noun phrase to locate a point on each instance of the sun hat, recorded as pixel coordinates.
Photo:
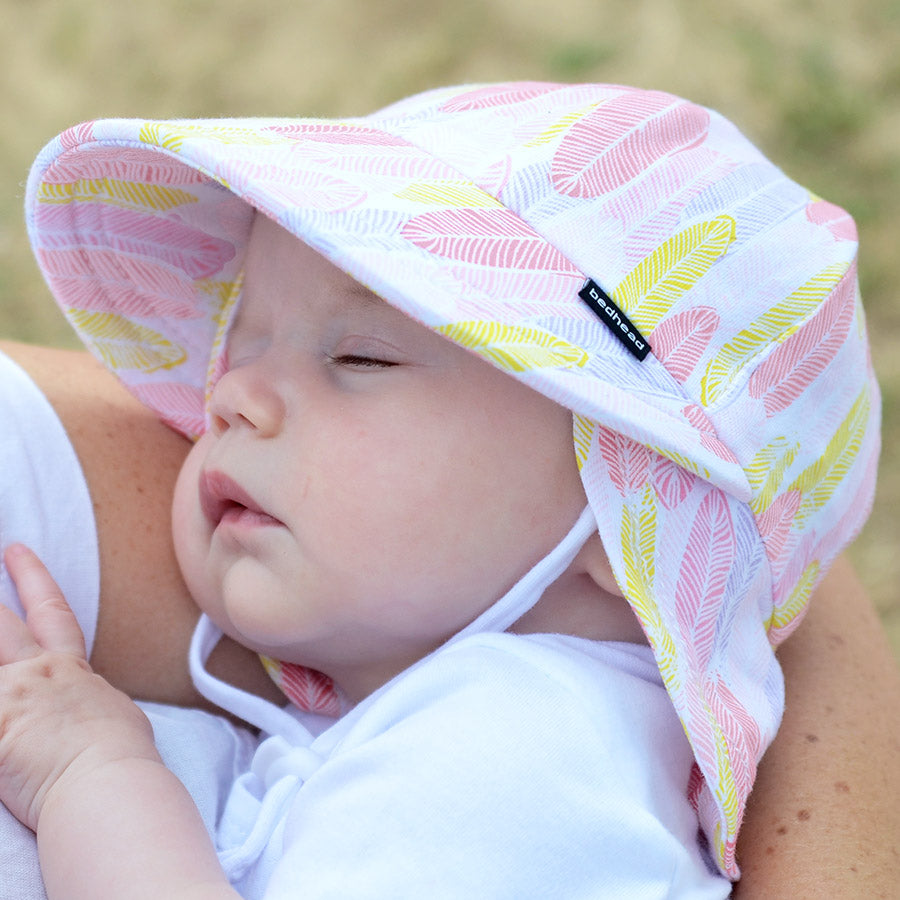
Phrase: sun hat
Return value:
(627, 253)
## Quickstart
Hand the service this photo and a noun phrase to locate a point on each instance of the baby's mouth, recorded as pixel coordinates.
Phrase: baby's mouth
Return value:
(223, 499)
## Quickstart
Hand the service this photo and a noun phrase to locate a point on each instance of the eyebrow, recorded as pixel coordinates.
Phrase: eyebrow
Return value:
(359, 291)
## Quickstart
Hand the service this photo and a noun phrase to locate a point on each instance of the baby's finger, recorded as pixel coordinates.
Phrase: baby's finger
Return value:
(16, 641)
(49, 617)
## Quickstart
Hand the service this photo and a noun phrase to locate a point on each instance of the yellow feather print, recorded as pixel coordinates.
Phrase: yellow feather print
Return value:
(648, 292)
(583, 433)
(223, 304)
(561, 126)
(54, 193)
(638, 536)
(272, 667)
(719, 841)
(122, 344)
(513, 347)
(639, 554)
(819, 481)
(172, 137)
(444, 193)
(166, 137)
(726, 788)
(685, 462)
(116, 192)
(766, 471)
(220, 292)
(783, 615)
(774, 326)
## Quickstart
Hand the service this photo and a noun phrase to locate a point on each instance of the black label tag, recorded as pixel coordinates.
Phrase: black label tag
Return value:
(614, 319)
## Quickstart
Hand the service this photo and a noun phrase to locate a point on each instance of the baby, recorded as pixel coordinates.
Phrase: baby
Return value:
(520, 665)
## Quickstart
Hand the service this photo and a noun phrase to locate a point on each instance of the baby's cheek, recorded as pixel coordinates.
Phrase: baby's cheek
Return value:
(190, 530)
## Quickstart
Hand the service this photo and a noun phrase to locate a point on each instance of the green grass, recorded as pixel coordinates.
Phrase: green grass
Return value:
(816, 85)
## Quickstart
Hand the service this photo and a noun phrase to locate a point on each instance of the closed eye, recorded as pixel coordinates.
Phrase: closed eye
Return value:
(362, 362)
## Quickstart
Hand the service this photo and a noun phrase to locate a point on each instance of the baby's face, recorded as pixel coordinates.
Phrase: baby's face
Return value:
(367, 487)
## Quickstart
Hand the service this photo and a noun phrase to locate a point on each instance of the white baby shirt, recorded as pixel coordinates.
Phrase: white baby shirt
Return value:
(502, 766)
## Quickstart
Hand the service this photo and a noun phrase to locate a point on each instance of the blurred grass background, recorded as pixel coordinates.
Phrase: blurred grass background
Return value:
(816, 83)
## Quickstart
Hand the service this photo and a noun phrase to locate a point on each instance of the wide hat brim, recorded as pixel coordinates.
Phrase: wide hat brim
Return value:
(394, 215)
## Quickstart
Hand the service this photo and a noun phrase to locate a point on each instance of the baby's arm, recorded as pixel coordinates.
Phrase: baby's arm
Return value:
(79, 767)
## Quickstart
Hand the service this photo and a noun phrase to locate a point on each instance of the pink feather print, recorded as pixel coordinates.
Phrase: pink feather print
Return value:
(310, 189)
(120, 299)
(627, 462)
(796, 564)
(697, 417)
(707, 561)
(796, 363)
(835, 219)
(178, 405)
(405, 161)
(140, 165)
(77, 135)
(163, 240)
(790, 579)
(680, 341)
(717, 448)
(494, 178)
(671, 482)
(702, 742)
(309, 690)
(656, 201)
(708, 436)
(775, 523)
(129, 286)
(621, 139)
(486, 237)
(741, 732)
(485, 97)
(337, 134)
(696, 783)
(110, 266)
(494, 293)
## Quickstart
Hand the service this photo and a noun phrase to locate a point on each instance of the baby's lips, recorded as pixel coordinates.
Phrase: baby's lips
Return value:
(220, 493)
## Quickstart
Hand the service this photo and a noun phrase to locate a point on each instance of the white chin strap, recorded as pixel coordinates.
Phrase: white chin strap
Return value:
(526, 592)
(520, 598)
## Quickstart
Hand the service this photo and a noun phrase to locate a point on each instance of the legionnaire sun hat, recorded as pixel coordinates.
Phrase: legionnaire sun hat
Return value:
(625, 252)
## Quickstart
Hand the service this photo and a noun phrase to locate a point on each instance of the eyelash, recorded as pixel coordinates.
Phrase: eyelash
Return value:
(366, 362)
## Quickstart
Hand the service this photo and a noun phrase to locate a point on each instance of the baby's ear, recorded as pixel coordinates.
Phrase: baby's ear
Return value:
(594, 562)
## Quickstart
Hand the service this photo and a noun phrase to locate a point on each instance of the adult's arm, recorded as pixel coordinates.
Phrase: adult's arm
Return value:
(130, 461)
(824, 818)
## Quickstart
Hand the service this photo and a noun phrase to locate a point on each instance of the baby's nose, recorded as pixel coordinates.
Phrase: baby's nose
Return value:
(247, 397)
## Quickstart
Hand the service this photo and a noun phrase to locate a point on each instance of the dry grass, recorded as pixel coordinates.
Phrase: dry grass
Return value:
(815, 82)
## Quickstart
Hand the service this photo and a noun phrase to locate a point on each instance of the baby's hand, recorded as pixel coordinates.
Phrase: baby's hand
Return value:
(58, 720)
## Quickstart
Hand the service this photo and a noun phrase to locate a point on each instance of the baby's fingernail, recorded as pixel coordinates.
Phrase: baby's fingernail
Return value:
(16, 550)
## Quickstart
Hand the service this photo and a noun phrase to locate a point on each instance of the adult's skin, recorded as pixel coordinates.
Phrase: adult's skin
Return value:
(130, 461)
(822, 820)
